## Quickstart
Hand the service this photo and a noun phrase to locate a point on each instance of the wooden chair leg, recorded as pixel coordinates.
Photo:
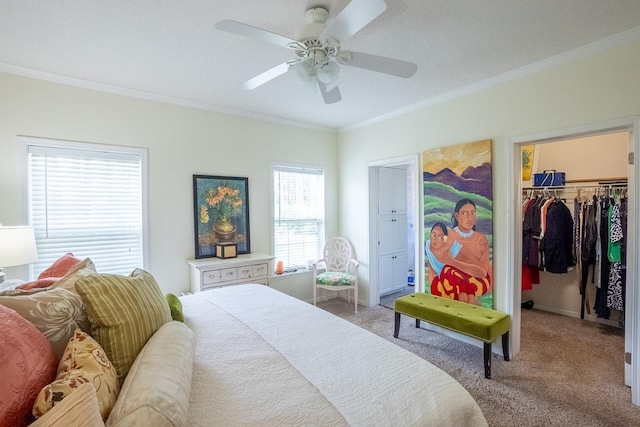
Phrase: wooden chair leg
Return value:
(487, 360)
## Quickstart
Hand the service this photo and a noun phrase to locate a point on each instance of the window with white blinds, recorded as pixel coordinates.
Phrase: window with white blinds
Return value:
(87, 200)
(298, 215)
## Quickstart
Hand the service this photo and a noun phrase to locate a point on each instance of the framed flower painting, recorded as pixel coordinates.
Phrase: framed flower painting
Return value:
(221, 213)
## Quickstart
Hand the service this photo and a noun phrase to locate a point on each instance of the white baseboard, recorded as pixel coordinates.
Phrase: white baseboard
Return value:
(589, 317)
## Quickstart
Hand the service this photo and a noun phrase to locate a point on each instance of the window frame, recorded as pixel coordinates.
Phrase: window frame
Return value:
(26, 141)
(275, 166)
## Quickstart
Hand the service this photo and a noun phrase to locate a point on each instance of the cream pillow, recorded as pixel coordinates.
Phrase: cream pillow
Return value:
(124, 313)
(79, 409)
(156, 391)
(83, 361)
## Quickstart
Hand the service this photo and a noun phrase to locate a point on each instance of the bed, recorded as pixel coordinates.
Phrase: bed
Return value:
(265, 358)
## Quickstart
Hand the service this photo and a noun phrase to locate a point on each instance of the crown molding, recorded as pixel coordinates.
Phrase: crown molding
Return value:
(149, 96)
(536, 67)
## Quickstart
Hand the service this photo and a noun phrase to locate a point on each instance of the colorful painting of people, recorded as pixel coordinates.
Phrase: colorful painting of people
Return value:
(458, 258)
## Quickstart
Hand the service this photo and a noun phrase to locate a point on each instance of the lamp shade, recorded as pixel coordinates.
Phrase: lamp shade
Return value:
(302, 73)
(17, 246)
(328, 71)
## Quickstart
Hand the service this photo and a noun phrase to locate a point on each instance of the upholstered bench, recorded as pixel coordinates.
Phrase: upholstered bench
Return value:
(468, 319)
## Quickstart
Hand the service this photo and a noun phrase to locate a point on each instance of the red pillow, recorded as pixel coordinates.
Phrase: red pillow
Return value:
(40, 283)
(61, 267)
(27, 363)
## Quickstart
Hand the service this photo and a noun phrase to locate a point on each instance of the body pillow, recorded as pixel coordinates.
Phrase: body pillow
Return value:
(156, 390)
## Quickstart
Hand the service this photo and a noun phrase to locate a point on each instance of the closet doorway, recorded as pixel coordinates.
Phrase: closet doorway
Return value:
(612, 146)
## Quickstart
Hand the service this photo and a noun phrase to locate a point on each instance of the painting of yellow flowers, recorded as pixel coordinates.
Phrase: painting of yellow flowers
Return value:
(221, 211)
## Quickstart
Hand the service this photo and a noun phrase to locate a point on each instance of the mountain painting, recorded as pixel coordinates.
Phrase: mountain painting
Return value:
(458, 222)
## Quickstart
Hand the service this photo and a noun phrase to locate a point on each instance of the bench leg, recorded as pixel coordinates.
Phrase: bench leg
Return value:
(417, 323)
(396, 328)
(487, 354)
(487, 360)
(505, 345)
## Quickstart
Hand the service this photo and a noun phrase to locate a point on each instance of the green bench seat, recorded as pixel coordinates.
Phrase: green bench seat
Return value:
(478, 322)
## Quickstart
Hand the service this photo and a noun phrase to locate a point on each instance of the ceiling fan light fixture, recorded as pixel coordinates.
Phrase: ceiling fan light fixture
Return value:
(302, 73)
(328, 71)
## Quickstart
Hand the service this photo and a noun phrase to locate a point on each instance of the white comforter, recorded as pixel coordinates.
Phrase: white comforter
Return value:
(264, 358)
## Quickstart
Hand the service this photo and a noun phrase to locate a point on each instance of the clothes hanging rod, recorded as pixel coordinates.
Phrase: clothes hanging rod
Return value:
(601, 183)
(599, 180)
(575, 187)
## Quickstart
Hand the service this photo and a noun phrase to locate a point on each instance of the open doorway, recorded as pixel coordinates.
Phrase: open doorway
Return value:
(393, 231)
(560, 295)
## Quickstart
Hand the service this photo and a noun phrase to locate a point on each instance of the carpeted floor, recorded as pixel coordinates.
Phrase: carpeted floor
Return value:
(570, 372)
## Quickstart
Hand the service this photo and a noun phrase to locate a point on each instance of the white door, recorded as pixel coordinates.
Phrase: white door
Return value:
(400, 271)
(392, 190)
(392, 234)
(385, 274)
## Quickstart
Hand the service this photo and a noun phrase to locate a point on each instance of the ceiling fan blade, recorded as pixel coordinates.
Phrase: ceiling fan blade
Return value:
(353, 18)
(381, 64)
(268, 75)
(254, 32)
(330, 96)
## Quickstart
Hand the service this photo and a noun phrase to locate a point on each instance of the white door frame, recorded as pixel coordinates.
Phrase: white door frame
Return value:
(513, 293)
(372, 172)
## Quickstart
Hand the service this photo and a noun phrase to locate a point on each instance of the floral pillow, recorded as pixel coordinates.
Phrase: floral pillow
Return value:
(55, 312)
(83, 361)
(330, 278)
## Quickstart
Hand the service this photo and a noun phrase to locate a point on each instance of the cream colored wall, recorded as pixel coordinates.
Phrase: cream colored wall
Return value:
(593, 89)
(595, 158)
(181, 141)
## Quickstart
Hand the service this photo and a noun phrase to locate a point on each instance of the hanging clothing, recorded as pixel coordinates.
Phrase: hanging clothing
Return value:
(557, 241)
(531, 233)
(600, 305)
(614, 292)
(530, 240)
(576, 229)
(590, 236)
(530, 277)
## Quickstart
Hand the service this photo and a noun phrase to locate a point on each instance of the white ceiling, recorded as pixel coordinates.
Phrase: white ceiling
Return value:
(170, 50)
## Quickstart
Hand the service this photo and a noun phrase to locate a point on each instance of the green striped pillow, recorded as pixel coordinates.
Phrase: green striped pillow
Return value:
(124, 313)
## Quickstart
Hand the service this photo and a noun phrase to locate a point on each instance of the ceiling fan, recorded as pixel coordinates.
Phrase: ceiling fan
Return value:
(318, 48)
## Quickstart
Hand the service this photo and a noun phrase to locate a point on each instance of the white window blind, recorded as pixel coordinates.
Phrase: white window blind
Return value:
(88, 202)
(298, 215)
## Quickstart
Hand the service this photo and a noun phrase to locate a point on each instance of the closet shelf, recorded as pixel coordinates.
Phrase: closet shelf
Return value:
(619, 183)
